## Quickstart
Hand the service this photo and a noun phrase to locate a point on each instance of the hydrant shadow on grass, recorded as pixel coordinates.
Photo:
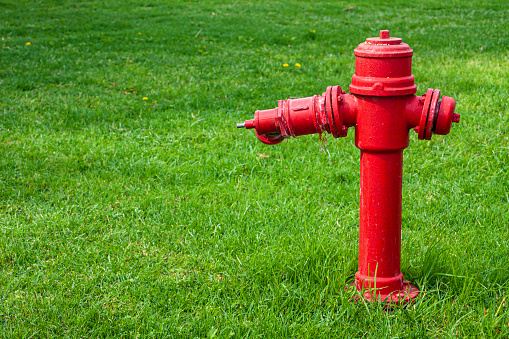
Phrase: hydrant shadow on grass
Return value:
(433, 272)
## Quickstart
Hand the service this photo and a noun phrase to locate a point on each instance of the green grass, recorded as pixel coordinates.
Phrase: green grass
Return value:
(124, 217)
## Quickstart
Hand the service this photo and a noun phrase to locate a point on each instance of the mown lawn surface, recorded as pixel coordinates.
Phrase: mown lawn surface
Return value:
(131, 206)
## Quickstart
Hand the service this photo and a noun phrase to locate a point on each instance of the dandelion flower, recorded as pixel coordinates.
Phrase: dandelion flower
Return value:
(145, 98)
(313, 31)
(29, 43)
(297, 64)
(285, 65)
(139, 33)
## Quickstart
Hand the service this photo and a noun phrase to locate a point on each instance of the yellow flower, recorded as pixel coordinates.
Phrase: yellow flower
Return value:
(297, 64)
(139, 33)
(145, 98)
(313, 31)
(29, 43)
(285, 65)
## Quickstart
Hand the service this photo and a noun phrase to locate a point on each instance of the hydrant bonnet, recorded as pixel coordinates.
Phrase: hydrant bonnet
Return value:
(383, 67)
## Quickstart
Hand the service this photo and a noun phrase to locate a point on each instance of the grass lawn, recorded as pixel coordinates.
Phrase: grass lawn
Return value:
(131, 206)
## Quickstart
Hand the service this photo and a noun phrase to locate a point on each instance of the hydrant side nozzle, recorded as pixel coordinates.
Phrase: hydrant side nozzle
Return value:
(330, 112)
(446, 116)
(437, 116)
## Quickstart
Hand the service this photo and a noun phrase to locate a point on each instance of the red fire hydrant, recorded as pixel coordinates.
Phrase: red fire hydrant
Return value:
(383, 108)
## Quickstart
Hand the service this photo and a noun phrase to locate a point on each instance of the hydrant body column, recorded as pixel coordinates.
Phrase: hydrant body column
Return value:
(381, 135)
(383, 83)
(383, 108)
(380, 222)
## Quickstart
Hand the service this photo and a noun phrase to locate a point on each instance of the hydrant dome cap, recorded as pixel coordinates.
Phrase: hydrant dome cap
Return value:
(383, 47)
(384, 39)
(368, 50)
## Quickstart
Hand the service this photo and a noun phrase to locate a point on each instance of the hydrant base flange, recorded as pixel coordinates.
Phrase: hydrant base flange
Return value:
(408, 293)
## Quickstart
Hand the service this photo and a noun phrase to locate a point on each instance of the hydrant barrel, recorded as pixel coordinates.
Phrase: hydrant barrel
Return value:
(380, 221)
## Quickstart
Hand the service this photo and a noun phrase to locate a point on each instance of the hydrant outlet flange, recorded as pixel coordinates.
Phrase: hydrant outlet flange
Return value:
(437, 116)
